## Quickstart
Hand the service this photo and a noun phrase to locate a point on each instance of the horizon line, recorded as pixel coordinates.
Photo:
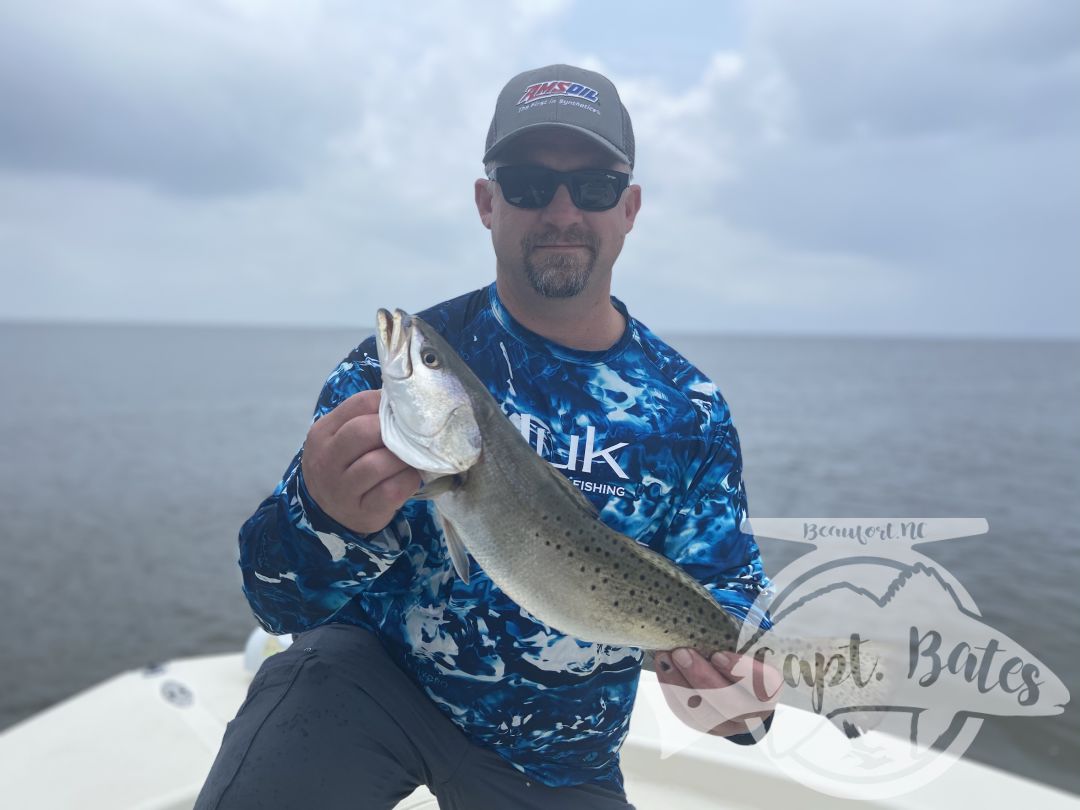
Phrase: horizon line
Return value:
(687, 333)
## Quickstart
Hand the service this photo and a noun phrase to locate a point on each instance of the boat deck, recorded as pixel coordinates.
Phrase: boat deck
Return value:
(144, 740)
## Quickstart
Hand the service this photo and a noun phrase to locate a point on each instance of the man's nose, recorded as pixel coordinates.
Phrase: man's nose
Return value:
(561, 209)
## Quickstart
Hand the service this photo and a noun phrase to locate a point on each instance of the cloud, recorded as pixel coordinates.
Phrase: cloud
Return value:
(260, 164)
(231, 97)
(928, 145)
(836, 167)
(191, 98)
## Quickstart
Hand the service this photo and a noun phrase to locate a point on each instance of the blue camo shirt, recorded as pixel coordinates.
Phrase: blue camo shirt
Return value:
(646, 437)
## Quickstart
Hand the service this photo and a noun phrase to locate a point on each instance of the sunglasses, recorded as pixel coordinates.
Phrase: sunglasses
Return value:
(535, 186)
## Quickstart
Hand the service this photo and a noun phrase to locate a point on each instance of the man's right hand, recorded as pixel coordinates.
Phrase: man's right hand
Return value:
(349, 472)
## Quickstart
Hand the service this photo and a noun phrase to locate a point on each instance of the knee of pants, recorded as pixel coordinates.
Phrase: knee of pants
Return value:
(304, 737)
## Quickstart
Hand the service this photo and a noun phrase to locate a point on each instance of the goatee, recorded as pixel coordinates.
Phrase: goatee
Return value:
(559, 274)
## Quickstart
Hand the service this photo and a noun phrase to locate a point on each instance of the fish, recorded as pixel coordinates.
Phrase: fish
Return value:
(534, 533)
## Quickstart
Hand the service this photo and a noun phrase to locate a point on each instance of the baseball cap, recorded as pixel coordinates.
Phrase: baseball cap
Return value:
(562, 96)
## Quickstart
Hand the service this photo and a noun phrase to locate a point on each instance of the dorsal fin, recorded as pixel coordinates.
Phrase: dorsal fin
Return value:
(572, 492)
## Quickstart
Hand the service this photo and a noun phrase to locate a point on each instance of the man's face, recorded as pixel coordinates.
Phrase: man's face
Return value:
(558, 249)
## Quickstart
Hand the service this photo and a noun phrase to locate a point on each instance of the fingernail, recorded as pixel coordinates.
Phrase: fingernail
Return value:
(723, 660)
(662, 662)
(683, 658)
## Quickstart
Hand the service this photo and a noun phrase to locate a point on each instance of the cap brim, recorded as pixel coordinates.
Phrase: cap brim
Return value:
(506, 140)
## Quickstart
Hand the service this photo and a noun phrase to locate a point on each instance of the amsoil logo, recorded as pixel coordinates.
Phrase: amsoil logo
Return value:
(546, 89)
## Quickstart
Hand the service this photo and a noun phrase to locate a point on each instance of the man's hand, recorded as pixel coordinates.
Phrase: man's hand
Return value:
(717, 696)
(349, 472)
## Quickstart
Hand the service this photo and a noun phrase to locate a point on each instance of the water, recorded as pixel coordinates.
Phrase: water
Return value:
(133, 454)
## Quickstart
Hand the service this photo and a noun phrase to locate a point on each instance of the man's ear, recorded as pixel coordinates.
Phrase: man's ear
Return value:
(631, 204)
(483, 191)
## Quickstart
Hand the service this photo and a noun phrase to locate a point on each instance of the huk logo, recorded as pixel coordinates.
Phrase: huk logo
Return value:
(583, 452)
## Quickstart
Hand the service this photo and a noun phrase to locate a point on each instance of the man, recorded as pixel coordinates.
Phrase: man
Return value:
(403, 674)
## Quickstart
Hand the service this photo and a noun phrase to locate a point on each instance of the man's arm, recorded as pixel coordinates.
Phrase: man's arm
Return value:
(705, 538)
(328, 531)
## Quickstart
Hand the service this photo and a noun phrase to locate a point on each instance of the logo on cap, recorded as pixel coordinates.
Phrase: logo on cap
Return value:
(544, 89)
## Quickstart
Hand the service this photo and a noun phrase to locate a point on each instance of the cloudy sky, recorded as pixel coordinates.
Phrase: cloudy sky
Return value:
(820, 167)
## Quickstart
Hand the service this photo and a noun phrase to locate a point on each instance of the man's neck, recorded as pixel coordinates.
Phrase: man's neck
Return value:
(587, 321)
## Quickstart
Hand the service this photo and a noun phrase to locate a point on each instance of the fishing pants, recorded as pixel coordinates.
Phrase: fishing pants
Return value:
(333, 723)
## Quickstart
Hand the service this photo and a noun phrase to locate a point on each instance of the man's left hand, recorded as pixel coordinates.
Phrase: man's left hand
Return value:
(718, 696)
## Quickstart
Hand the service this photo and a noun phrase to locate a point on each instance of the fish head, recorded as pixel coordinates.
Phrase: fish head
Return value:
(426, 414)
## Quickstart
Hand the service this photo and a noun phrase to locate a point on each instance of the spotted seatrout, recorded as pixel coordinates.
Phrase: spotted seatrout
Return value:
(532, 531)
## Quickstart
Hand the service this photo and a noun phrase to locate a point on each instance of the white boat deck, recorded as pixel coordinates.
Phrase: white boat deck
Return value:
(145, 741)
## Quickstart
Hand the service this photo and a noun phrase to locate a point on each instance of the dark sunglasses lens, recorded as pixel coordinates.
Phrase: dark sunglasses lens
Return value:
(535, 186)
(595, 191)
(526, 186)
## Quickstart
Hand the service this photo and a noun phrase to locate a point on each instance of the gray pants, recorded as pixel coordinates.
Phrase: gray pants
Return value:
(333, 723)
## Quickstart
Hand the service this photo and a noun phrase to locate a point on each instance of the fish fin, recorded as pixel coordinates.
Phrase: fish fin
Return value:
(439, 486)
(860, 703)
(458, 555)
(575, 494)
(930, 725)
(852, 724)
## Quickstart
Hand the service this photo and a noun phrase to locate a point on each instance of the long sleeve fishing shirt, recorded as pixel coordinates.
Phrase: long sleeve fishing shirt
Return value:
(645, 436)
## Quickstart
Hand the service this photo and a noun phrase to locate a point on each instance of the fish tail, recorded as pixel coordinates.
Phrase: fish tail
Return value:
(850, 681)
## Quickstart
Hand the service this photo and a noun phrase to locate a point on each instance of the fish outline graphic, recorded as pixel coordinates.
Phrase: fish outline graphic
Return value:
(958, 669)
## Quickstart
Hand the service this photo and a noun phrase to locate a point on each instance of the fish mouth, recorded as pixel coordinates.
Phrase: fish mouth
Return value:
(383, 326)
(393, 338)
(393, 335)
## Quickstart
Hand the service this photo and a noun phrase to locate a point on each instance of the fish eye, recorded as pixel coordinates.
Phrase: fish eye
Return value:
(429, 357)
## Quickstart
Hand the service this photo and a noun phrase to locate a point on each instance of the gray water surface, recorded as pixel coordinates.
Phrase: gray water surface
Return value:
(132, 455)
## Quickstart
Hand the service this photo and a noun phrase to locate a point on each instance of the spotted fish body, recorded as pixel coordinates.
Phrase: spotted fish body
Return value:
(540, 541)
(530, 529)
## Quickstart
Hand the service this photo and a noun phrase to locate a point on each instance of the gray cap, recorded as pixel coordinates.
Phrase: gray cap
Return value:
(562, 96)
